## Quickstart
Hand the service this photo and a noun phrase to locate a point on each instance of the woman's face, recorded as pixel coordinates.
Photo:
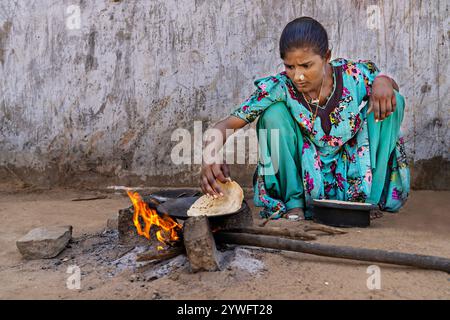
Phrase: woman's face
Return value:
(304, 61)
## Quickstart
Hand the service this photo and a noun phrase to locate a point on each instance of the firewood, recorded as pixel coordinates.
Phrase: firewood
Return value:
(344, 252)
(160, 255)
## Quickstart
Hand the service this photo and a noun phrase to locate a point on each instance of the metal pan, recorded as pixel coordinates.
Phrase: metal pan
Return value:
(165, 195)
(177, 208)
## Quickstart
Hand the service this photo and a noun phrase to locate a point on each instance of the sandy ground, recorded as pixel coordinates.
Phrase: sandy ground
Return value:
(423, 226)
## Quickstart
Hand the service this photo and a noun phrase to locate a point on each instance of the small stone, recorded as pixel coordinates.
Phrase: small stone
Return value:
(326, 283)
(45, 242)
(174, 276)
(134, 277)
(156, 296)
(65, 259)
(151, 278)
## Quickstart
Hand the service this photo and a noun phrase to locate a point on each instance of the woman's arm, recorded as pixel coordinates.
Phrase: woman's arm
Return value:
(211, 169)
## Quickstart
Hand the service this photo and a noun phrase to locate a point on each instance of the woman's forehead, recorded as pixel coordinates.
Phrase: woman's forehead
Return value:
(300, 56)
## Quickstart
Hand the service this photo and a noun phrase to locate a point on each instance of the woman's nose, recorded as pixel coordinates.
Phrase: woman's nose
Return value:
(299, 76)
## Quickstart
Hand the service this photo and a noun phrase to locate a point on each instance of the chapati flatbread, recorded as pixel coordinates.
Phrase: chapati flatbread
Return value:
(233, 195)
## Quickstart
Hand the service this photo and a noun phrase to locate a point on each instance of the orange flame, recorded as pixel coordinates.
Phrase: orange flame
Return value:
(168, 228)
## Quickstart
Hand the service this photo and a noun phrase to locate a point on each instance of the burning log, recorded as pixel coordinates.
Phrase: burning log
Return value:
(167, 226)
(127, 230)
(382, 256)
(140, 223)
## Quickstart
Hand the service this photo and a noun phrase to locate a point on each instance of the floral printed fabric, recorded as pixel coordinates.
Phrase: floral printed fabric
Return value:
(335, 165)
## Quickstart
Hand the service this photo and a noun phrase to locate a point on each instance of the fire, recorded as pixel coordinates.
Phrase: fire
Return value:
(168, 228)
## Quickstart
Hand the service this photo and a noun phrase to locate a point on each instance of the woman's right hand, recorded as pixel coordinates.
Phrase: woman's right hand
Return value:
(213, 172)
(208, 176)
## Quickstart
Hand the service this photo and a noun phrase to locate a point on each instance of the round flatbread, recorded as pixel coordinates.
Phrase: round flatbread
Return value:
(233, 195)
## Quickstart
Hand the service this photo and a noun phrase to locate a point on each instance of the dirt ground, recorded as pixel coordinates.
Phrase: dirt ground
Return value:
(423, 227)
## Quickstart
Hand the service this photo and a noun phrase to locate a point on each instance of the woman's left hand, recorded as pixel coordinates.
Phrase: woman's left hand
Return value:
(382, 100)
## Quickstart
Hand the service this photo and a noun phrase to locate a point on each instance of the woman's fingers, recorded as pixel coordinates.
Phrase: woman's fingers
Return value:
(376, 109)
(210, 176)
(394, 103)
(206, 178)
(226, 171)
(207, 189)
(211, 188)
(218, 173)
(202, 187)
(382, 109)
(216, 189)
(388, 107)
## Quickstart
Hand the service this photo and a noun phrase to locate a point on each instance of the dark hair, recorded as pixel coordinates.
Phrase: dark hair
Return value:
(304, 32)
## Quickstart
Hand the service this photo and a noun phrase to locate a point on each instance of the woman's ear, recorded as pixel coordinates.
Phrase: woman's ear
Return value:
(327, 57)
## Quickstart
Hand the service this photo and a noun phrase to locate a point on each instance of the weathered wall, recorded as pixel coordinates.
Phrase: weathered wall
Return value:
(98, 104)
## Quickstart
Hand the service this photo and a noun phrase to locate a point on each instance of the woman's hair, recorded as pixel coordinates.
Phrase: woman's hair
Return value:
(304, 32)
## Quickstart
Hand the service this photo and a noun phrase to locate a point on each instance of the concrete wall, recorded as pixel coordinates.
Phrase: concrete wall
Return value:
(96, 105)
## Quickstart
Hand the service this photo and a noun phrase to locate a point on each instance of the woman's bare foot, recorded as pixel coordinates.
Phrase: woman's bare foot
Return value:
(295, 212)
(376, 214)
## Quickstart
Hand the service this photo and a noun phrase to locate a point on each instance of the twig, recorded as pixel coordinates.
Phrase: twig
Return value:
(274, 231)
(89, 199)
(268, 219)
(123, 253)
(326, 229)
